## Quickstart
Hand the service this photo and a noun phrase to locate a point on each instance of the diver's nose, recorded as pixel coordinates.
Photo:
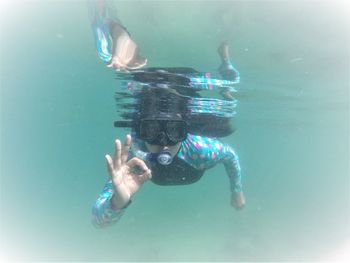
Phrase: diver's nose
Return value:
(162, 139)
(165, 148)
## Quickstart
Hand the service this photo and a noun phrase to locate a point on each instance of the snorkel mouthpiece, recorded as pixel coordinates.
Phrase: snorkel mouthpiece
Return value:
(164, 158)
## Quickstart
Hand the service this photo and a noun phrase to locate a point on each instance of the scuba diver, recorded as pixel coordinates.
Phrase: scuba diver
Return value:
(175, 131)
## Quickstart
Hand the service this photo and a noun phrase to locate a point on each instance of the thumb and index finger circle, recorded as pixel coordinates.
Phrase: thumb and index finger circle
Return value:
(140, 164)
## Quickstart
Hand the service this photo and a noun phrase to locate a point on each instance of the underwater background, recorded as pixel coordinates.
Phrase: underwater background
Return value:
(292, 137)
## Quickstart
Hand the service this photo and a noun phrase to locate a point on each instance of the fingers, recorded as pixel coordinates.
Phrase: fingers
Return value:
(145, 176)
(117, 155)
(136, 162)
(109, 164)
(116, 64)
(121, 153)
(137, 62)
(125, 150)
(238, 200)
(140, 171)
(119, 66)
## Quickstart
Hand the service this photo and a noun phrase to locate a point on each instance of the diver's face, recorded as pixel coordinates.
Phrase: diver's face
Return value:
(172, 149)
(162, 132)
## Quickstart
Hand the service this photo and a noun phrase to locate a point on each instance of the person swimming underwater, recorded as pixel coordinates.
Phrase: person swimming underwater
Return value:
(174, 132)
(168, 146)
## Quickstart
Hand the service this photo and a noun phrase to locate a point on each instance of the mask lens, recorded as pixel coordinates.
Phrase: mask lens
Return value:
(163, 132)
(176, 130)
(149, 130)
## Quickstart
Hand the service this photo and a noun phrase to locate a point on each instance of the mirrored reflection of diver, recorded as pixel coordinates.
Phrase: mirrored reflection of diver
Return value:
(174, 130)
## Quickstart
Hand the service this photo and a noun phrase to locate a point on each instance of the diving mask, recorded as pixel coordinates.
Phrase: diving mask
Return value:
(162, 131)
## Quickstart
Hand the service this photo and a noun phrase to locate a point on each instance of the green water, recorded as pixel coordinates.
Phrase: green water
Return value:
(57, 111)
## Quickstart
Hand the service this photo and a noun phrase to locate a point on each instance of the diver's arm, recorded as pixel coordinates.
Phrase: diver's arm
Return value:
(104, 212)
(233, 170)
(203, 153)
(209, 152)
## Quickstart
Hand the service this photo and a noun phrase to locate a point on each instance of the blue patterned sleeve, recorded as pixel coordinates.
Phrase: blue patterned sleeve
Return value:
(203, 153)
(233, 168)
(103, 211)
(100, 25)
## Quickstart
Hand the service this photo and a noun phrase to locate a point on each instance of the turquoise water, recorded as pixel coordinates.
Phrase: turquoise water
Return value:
(57, 110)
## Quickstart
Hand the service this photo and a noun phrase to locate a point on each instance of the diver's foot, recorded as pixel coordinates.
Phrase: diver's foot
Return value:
(223, 51)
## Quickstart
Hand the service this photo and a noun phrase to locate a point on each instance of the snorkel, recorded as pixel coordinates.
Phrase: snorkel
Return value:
(163, 157)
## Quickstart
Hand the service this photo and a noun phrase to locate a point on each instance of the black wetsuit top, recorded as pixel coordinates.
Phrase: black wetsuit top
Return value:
(177, 173)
